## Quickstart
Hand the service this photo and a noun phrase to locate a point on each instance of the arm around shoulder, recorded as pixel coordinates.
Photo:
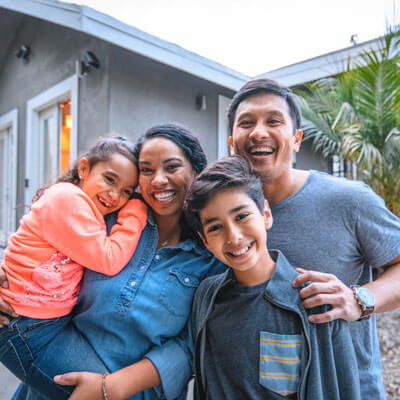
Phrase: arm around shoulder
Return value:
(71, 223)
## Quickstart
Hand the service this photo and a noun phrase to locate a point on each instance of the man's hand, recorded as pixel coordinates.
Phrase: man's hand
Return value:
(327, 289)
(5, 307)
(88, 385)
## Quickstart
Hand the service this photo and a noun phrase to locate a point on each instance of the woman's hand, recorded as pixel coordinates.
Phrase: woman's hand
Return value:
(88, 385)
(5, 307)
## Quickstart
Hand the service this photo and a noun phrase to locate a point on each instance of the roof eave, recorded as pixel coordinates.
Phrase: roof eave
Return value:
(87, 20)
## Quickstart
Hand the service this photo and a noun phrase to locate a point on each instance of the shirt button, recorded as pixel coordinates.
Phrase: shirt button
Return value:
(142, 267)
(133, 283)
(157, 257)
(187, 280)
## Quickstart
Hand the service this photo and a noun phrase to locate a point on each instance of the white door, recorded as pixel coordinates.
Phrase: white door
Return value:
(49, 145)
(6, 187)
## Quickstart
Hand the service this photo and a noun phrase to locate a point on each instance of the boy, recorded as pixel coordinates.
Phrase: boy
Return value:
(251, 333)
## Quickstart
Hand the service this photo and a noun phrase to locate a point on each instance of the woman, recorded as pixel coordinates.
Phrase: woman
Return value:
(140, 316)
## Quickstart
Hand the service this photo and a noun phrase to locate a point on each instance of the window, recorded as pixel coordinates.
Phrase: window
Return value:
(8, 174)
(51, 135)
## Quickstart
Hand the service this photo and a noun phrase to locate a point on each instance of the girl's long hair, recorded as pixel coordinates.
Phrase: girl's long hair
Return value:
(102, 150)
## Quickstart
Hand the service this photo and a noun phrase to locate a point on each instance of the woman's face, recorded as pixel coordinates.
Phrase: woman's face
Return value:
(165, 176)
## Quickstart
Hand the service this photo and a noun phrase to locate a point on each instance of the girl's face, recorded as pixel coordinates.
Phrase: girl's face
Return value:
(109, 184)
(165, 175)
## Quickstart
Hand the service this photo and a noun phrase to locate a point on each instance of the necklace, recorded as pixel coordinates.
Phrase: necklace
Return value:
(164, 243)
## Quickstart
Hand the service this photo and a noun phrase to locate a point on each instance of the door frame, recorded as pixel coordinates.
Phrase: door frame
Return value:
(223, 126)
(66, 89)
(9, 120)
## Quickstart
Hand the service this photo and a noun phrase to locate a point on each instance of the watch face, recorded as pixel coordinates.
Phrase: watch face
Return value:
(366, 297)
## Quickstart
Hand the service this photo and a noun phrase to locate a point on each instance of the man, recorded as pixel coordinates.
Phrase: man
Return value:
(338, 229)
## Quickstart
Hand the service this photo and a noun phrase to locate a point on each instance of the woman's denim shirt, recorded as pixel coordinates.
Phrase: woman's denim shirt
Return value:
(143, 311)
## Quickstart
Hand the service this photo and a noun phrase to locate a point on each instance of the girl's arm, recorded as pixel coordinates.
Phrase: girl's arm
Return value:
(120, 385)
(70, 222)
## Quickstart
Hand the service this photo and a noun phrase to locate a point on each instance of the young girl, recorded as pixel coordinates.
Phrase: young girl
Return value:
(63, 232)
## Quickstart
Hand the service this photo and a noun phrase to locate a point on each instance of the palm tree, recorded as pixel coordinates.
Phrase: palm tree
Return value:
(356, 116)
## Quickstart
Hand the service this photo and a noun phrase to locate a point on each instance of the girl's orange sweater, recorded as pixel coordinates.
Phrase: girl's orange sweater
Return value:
(62, 233)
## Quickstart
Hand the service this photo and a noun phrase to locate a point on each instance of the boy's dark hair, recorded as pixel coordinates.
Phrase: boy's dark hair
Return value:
(227, 173)
(102, 150)
(258, 86)
(182, 137)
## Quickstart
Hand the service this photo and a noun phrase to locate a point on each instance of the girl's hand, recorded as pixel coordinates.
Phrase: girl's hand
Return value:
(88, 385)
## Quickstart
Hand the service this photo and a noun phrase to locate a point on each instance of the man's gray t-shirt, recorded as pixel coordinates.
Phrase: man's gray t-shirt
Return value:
(342, 227)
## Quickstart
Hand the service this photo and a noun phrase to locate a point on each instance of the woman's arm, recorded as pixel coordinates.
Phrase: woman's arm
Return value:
(118, 386)
(4, 306)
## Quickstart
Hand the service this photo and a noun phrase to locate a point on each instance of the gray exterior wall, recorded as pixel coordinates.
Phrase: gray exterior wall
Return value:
(127, 95)
(307, 159)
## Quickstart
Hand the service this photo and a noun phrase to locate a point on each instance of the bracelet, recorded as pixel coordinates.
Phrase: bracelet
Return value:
(103, 385)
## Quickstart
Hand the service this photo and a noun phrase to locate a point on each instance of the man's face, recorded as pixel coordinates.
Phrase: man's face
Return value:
(263, 134)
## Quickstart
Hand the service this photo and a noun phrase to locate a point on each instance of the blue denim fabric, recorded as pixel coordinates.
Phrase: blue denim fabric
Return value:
(20, 344)
(140, 313)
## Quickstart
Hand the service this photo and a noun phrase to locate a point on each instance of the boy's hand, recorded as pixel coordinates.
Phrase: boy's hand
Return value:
(327, 289)
(88, 385)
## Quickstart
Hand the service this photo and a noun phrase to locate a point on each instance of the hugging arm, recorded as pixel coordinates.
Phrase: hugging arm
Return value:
(88, 243)
(377, 232)
(328, 289)
(166, 368)
(4, 306)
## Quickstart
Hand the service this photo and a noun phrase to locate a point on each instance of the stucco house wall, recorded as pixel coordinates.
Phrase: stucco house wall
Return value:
(128, 93)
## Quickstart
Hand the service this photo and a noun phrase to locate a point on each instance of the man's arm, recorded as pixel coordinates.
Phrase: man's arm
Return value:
(328, 289)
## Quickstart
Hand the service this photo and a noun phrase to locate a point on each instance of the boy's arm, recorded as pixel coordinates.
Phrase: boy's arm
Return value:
(73, 225)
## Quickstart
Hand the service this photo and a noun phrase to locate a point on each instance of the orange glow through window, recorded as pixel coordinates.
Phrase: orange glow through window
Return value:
(66, 125)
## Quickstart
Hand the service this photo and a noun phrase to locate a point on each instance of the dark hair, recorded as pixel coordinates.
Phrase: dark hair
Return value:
(102, 150)
(227, 173)
(258, 86)
(182, 137)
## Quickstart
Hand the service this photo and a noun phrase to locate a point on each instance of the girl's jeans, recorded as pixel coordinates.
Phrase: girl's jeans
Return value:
(26, 351)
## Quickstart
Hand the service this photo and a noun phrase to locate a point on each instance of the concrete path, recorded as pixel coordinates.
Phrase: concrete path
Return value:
(8, 384)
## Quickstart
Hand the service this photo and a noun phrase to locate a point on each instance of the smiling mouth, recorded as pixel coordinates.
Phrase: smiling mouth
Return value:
(164, 196)
(242, 251)
(104, 202)
(265, 150)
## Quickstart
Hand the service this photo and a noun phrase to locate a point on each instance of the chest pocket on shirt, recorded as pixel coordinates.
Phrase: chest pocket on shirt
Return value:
(280, 362)
(177, 292)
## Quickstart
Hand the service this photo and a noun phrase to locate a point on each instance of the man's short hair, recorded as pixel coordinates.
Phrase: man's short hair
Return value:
(268, 86)
(227, 173)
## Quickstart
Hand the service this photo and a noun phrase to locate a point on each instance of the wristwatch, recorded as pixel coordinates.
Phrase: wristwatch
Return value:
(365, 299)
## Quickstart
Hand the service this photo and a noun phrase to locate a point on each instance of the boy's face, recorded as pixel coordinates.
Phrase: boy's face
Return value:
(235, 230)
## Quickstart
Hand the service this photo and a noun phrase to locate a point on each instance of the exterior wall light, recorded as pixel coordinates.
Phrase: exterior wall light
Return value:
(23, 52)
(201, 104)
(89, 62)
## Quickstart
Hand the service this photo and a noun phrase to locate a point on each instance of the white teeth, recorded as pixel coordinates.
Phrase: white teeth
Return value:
(241, 251)
(164, 195)
(262, 149)
(104, 202)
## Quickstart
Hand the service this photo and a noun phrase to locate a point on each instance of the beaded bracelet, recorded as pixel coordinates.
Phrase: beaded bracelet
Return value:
(103, 385)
